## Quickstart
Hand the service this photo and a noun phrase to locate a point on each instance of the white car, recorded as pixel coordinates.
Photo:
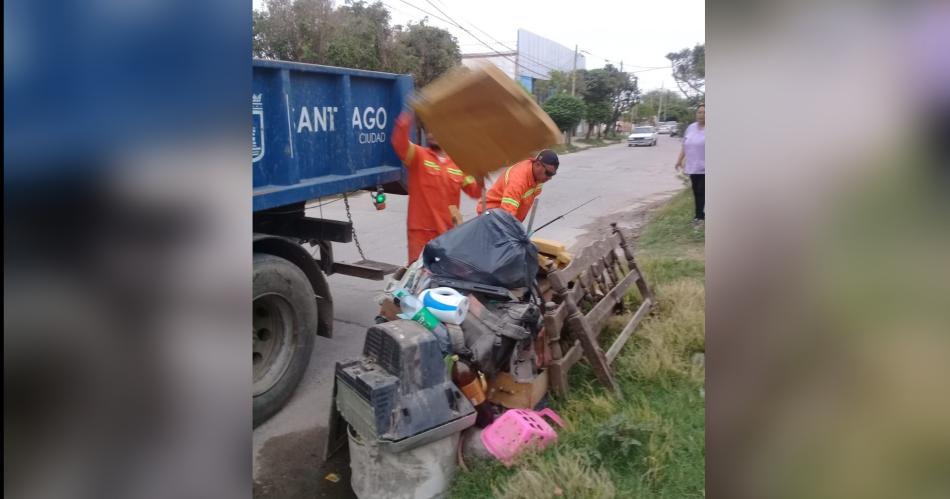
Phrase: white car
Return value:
(664, 129)
(642, 136)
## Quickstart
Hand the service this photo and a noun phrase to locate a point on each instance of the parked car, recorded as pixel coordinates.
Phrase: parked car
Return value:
(675, 129)
(664, 129)
(642, 136)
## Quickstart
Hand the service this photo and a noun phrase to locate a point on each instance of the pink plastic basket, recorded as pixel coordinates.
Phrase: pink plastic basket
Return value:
(517, 430)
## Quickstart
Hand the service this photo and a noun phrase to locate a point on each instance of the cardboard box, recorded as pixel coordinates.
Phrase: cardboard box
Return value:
(506, 392)
(483, 119)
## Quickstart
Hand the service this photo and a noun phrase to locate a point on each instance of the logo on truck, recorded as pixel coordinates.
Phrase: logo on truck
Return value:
(369, 121)
(257, 128)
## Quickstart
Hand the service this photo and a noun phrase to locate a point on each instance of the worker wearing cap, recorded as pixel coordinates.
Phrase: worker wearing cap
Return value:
(435, 183)
(520, 184)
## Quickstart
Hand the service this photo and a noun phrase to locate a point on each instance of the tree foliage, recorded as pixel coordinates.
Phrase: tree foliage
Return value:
(598, 113)
(624, 93)
(566, 111)
(356, 35)
(430, 52)
(689, 71)
(559, 82)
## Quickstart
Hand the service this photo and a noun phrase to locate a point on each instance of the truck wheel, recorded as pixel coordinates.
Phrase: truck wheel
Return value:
(284, 324)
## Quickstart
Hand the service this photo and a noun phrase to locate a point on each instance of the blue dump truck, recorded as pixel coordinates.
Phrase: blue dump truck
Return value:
(317, 132)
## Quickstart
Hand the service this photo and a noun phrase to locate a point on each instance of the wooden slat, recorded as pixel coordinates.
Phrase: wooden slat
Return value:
(610, 265)
(628, 330)
(557, 369)
(597, 272)
(610, 278)
(571, 357)
(613, 241)
(585, 280)
(601, 311)
(579, 263)
(592, 351)
(554, 321)
(577, 293)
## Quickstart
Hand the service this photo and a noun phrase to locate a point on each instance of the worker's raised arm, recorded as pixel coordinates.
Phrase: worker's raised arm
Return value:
(472, 186)
(404, 147)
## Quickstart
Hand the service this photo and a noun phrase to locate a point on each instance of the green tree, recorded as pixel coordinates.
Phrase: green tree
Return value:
(689, 71)
(559, 82)
(650, 105)
(356, 35)
(429, 52)
(598, 113)
(566, 112)
(361, 37)
(598, 91)
(624, 93)
(293, 30)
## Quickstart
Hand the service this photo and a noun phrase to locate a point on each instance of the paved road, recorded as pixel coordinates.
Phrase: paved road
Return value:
(288, 447)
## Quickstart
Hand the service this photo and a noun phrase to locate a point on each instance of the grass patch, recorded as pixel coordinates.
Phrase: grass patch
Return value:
(565, 148)
(651, 442)
(569, 148)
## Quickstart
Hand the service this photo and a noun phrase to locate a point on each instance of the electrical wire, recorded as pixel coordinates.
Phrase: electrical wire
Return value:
(456, 24)
(529, 59)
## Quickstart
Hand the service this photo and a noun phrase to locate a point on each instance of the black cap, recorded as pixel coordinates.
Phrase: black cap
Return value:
(549, 157)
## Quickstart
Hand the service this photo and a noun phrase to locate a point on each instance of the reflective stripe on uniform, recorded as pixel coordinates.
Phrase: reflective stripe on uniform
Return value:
(528, 194)
(455, 171)
(510, 201)
(432, 165)
(468, 180)
(508, 172)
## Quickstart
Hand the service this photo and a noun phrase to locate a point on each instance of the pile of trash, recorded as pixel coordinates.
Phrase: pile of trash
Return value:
(475, 288)
(452, 366)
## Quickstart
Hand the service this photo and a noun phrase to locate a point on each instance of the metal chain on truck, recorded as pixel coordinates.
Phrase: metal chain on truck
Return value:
(349, 217)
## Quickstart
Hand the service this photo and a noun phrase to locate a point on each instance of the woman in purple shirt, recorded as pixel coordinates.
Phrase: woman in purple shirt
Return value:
(693, 160)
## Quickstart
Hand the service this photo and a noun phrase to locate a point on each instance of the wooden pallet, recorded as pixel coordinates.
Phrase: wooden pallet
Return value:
(600, 275)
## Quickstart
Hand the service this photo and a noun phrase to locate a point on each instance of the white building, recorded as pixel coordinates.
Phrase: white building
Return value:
(533, 58)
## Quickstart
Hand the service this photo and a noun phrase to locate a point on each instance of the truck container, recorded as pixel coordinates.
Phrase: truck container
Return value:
(317, 132)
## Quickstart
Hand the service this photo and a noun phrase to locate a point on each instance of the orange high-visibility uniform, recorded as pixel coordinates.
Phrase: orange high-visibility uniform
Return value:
(434, 184)
(514, 191)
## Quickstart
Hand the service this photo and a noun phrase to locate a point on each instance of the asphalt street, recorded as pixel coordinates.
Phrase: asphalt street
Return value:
(288, 448)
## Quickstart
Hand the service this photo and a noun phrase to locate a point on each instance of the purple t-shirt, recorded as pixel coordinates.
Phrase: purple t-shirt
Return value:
(694, 143)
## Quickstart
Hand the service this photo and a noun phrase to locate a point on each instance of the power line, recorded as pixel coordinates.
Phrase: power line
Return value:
(651, 69)
(453, 23)
(529, 59)
(493, 38)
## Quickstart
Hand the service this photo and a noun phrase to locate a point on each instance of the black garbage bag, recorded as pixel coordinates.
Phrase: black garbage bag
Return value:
(491, 249)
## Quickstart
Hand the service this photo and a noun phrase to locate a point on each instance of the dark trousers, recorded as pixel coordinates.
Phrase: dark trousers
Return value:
(699, 194)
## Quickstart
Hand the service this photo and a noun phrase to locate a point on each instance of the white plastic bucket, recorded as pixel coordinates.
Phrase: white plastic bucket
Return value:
(425, 472)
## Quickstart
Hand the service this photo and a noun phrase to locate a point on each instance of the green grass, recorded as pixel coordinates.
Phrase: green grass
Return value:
(594, 142)
(651, 442)
(565, 148)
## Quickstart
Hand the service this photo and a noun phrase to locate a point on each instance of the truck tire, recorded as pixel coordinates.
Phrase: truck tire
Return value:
(284, 325)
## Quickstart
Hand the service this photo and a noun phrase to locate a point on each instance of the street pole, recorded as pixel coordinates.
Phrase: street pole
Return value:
(574, 72)
(517, 56)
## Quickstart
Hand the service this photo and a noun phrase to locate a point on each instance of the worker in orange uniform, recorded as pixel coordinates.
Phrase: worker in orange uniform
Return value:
(435, 183)
(517, 188)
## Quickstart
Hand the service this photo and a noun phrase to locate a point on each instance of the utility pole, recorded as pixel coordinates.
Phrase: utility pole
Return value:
(517, 56)
(574, 72)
